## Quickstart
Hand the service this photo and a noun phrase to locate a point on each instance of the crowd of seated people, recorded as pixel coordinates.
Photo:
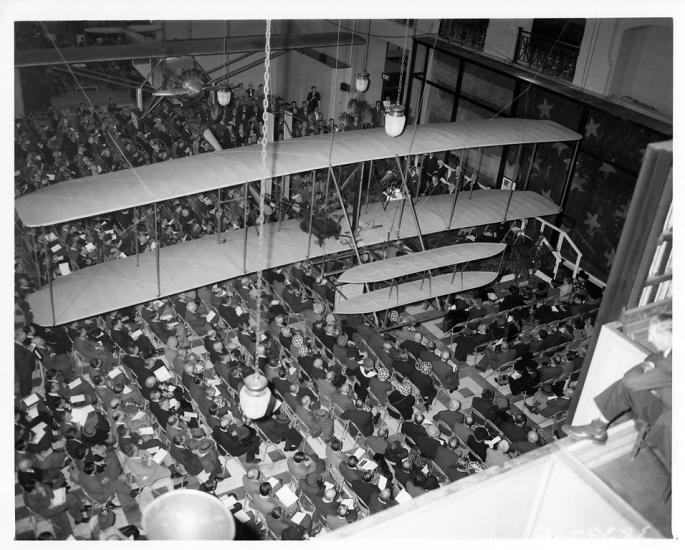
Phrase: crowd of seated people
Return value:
(112, 411)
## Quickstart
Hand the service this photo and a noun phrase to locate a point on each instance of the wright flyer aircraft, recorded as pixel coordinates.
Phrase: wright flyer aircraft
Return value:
(191, 264)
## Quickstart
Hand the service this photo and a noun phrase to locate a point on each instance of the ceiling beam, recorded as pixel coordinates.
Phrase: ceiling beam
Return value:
(171, 48)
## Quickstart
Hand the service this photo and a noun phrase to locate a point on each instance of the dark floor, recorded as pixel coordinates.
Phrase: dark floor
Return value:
(641, 482)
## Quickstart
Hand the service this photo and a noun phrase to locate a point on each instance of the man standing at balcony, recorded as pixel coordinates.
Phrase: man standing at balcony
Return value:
(645, 391)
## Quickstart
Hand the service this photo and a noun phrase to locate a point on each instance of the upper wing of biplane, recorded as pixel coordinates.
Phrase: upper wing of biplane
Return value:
(96, 195)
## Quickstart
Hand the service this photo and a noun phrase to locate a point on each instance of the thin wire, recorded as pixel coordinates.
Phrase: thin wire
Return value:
(114, 141)
(337, 45)
(430, 63)
(368, 41)
(404, 58)
(260, 236)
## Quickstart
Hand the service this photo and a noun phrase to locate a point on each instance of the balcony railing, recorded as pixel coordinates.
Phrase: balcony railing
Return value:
(465, 32)
(545, 55)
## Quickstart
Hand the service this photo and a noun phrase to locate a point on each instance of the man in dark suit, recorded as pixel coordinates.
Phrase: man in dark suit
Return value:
(402, 400)
(448, 376)
(430, 165)
(360, 420)
(513, 299)
(420, 377)
(645, 390)
(467, 344)
(24, 363)
(415, 346)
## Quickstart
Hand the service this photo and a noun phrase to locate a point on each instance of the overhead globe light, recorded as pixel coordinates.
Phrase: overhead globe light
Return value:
(223, 96)
(255, 395)
(187, 514)
(362, 82)
(394, 120)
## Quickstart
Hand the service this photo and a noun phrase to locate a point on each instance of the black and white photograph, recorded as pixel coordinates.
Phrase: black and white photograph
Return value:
(308, 273)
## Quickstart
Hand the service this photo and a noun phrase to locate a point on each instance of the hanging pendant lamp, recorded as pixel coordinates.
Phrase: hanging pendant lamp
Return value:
(362, 82)
(395, 120)
(223, 96)
(255, 394)
(394, 115)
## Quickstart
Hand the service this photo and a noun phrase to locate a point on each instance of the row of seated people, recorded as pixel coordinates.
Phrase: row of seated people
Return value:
(347, 389)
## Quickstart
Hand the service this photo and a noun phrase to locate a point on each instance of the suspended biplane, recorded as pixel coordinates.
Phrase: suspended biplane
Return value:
(192, 264)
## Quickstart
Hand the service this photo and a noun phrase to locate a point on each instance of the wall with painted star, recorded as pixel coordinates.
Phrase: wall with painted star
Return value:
(606, 167)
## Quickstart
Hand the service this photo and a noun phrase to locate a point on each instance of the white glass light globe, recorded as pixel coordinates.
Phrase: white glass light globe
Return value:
(255, 396)
(394, 120)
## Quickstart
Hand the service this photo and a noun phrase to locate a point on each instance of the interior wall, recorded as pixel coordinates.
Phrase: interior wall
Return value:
(616, 60)
(644, 70)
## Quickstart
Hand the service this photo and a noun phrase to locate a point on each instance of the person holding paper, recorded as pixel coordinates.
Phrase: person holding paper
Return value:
(184, 456)
(196, 321)
(123, 337)
(265, 501)
(90, 350)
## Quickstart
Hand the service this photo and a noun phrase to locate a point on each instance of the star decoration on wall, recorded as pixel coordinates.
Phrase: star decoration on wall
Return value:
(578, 184)
(544, 108)
(559, 147)
(591, 128)
(610, 256)
(606, 169)
(591, 223)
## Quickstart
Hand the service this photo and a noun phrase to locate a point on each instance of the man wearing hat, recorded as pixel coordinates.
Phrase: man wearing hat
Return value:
(209, 458)
(402, 400)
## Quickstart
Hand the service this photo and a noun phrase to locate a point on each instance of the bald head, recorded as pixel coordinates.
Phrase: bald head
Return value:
(454, 404)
